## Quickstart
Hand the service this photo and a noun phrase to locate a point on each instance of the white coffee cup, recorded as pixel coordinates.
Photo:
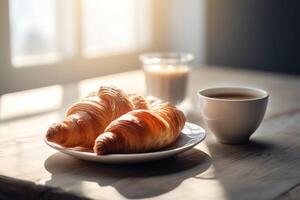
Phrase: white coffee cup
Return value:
(232, 114)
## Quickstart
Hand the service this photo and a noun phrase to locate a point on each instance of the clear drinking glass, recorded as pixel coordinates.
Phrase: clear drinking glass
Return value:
(167, 75)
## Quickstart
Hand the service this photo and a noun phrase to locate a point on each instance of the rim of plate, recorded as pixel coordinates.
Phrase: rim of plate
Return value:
(159, 152)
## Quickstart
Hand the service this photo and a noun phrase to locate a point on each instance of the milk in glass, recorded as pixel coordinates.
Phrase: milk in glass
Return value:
(167, 82)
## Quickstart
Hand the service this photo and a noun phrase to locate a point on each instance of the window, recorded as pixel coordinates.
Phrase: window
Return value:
(107, 30)
(48, 42)
(33, 32)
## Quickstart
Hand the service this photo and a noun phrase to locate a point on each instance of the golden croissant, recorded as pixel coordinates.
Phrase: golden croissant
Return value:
(141, 130)
(89, 117)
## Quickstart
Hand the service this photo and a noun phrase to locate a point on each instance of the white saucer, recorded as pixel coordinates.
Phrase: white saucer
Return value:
(191, 135)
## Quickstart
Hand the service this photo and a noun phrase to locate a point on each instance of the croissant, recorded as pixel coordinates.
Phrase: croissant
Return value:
(89, 117)
(141, 130)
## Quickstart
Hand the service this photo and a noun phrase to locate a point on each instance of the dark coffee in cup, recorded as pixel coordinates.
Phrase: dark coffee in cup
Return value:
(234, 96)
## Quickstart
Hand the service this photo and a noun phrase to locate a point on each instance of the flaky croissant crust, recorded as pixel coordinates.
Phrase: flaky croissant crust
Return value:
(89, 117)
(141, 130)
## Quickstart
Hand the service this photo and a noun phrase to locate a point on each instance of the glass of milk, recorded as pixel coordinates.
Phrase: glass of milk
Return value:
(167, 75)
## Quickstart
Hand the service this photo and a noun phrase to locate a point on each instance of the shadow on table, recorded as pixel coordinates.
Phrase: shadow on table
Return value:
(254, 170)
(132, 181)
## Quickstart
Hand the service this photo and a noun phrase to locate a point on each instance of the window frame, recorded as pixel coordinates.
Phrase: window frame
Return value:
(66, 71)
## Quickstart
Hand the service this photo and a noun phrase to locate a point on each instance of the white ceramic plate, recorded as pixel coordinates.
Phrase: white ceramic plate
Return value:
(191, 135)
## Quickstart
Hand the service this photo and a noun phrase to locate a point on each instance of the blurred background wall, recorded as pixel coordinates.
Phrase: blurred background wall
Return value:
(254, 34)
(185, 27)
